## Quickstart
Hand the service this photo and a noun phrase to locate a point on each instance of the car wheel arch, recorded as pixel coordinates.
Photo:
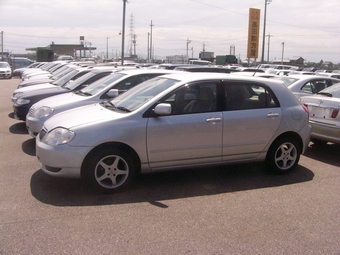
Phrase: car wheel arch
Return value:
(110, 145)
(284, 153)
(292, 135)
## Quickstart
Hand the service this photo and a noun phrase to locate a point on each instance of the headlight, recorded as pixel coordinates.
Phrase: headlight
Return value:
(15, 96)
(21, 101)
(42, 112)
(58, 136)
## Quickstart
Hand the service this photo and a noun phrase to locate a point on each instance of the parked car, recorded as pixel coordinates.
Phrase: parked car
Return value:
(61, 72)
(5, 70)
(18, 71)
(176, 121)
(324, 115)
(249, 69)
(332, 75)
(306, 85)
(99, 91)
(19, 62)
(23, 103)
(211, 69)
(74, 73)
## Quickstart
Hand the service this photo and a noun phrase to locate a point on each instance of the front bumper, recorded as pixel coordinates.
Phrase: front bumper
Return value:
(5, 75)
(20, 111)
(33, 125)
(61, 160)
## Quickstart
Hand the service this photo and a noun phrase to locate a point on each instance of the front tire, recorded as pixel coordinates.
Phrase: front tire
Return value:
(109, 170)
(283, 155)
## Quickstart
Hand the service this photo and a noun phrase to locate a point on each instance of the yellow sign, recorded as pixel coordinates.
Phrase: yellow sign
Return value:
(253, 33)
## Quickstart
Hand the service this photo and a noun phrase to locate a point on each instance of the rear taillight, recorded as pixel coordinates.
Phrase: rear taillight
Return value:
(334, 113)
(305, 107)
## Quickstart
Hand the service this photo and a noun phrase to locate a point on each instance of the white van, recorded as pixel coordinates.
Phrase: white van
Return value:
(200, 62)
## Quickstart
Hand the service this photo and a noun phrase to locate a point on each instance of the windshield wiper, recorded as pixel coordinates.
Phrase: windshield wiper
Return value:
(108, 104)
(82, 93)
(123, 109)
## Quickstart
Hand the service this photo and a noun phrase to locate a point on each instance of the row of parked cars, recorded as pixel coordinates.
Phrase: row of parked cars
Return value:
(107, 124)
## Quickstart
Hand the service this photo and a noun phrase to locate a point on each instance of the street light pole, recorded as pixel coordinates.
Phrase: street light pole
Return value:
(107, 48)
(268, 46)
(283, 47)
(266, 2)
(123, 31)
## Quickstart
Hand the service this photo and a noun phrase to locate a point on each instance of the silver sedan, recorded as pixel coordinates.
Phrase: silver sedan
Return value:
(324, 115)
(176, 121)
(306, 85)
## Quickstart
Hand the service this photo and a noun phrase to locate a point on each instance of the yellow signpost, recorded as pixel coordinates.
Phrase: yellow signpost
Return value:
(253, 33)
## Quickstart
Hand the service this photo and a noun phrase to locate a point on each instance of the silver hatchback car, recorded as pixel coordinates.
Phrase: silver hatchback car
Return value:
(176, 121)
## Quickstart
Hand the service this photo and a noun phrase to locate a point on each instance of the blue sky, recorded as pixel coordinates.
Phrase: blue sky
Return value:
(308, 28)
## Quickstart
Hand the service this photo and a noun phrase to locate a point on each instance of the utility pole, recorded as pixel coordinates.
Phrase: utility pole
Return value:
(148, 48)
(188, 41)
(283, 47)
(266, 2)
(2, 45)
(107, 47)
(123, 31)
(268, 46)
(151, 40)
(134, 41)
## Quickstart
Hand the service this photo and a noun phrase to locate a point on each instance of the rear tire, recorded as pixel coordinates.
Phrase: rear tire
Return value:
(283, 155)
(109, 170)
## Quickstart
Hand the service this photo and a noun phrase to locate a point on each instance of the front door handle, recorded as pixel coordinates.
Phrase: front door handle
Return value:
(272, 115)
(213, 120)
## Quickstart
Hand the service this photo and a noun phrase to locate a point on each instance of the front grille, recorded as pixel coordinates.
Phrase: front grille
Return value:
(30, 112)
(42, 134)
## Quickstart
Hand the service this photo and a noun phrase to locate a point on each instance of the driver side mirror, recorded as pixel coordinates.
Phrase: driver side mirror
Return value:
(112, 93)
(163, 109)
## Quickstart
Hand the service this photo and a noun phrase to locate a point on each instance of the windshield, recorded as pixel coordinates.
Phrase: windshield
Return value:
(62, 73)
(3, 65)
(101, 84)
(61, 81)
(73, 84)
(287, 80)
(140, 94)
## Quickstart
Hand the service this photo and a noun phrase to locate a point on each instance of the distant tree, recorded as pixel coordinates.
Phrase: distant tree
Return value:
(320, 63)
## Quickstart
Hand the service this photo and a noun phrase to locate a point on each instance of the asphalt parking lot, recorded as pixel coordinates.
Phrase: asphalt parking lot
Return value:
(237, 209)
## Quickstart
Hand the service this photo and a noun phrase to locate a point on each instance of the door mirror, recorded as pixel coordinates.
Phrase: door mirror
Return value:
(112, 93)
(163, 109)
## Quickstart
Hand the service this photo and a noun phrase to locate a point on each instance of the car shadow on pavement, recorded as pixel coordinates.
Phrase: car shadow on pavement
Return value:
(11, 115)
(156, 188)
(28, 147)
(19, 128)
(326, 153)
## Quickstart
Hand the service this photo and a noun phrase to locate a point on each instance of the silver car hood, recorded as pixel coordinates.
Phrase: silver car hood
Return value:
(35, 87)
(58, 100)
(84, 115)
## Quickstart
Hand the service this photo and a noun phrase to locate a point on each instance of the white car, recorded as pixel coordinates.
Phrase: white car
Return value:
(101, 90)
(306, 85)
(5, 70)
(176, 121)
(324, 115)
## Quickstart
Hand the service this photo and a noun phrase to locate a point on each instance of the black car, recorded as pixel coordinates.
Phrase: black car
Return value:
(23, 103)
